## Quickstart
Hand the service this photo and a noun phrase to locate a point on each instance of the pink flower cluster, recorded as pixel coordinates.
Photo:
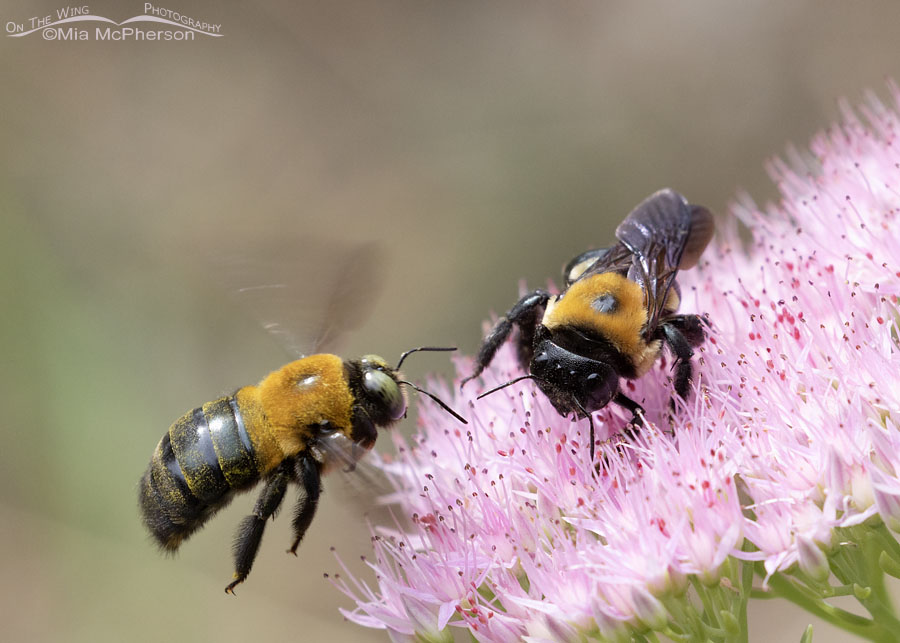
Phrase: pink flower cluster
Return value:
(791, 433)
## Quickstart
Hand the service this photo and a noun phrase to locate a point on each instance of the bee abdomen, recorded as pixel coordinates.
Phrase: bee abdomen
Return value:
(204, 457)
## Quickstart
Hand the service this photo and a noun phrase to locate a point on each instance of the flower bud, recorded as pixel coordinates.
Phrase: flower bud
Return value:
(649, 611)
(886, 490)
(812, 559)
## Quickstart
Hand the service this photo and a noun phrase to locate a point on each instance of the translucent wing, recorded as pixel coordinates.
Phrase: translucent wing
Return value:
(336, 451)
(614, 259)
(305, 292)
(702, 228)
(663, 234)
(363, 480)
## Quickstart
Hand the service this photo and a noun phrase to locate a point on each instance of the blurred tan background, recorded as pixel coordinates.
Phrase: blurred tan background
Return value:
(479, 143)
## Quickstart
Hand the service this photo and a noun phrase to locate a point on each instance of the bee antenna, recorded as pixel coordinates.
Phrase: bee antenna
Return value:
(497, 388)
(421, 348)
(435, 397)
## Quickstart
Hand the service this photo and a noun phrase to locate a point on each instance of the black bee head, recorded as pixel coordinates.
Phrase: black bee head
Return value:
(592, 383)
(378, 391)
(380, 398)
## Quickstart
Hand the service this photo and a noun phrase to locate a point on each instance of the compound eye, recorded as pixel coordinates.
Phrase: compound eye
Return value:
(382, 388)
(373, 361)
(599, 387)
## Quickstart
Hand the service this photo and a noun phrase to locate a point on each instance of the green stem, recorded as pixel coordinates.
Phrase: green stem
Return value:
(682, 612)
(879, 540)
(710, 613)
(879, 604)
(691, 618)
(858, 563)
(676, 636)
(845, 564)
(717, 598)
(840, 590)
(746, 571)
(847, 621)
(888, 539)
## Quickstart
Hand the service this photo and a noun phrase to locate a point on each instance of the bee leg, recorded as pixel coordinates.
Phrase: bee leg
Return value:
(693, 327)
(630, 429)
(306, 474)
(684, 368)
(637, 415)
(524, 315)
(590, 420)
(250, 530)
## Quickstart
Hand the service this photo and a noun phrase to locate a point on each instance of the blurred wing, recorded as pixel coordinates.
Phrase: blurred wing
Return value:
(661, 236)
(364, 482)
(355, 280)
(305, 292)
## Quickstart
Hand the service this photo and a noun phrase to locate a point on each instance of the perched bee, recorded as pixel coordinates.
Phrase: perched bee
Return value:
(299, 421)
(613, 316)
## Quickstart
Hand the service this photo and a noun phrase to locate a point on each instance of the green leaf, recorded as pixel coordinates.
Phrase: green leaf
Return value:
(807, 635)
(889, 565)
(729, 623)
(861, 593)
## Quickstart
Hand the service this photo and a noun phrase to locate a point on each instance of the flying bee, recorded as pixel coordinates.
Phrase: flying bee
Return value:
(307, 417)
(615, 313)
(313, 415)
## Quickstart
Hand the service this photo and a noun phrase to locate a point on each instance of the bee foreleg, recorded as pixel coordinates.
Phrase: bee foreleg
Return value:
(306, 474)
(525, 315)
(681, 347)
(637, 414)
(586, 414)
(250, 530)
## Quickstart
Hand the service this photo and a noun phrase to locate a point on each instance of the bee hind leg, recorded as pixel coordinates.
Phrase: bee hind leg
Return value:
(680, 344)
(250, 530)
(692, 327)
(307, 475)
(524, 315)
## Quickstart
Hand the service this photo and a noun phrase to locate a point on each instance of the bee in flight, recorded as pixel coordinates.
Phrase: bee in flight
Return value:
(307, 417)
(615, 313)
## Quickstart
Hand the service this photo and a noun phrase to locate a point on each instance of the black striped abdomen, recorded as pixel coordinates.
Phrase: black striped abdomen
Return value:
(204, 457)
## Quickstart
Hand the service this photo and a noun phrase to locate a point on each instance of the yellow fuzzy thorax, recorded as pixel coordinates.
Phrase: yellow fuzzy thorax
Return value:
(622, 326)
(278, 411)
